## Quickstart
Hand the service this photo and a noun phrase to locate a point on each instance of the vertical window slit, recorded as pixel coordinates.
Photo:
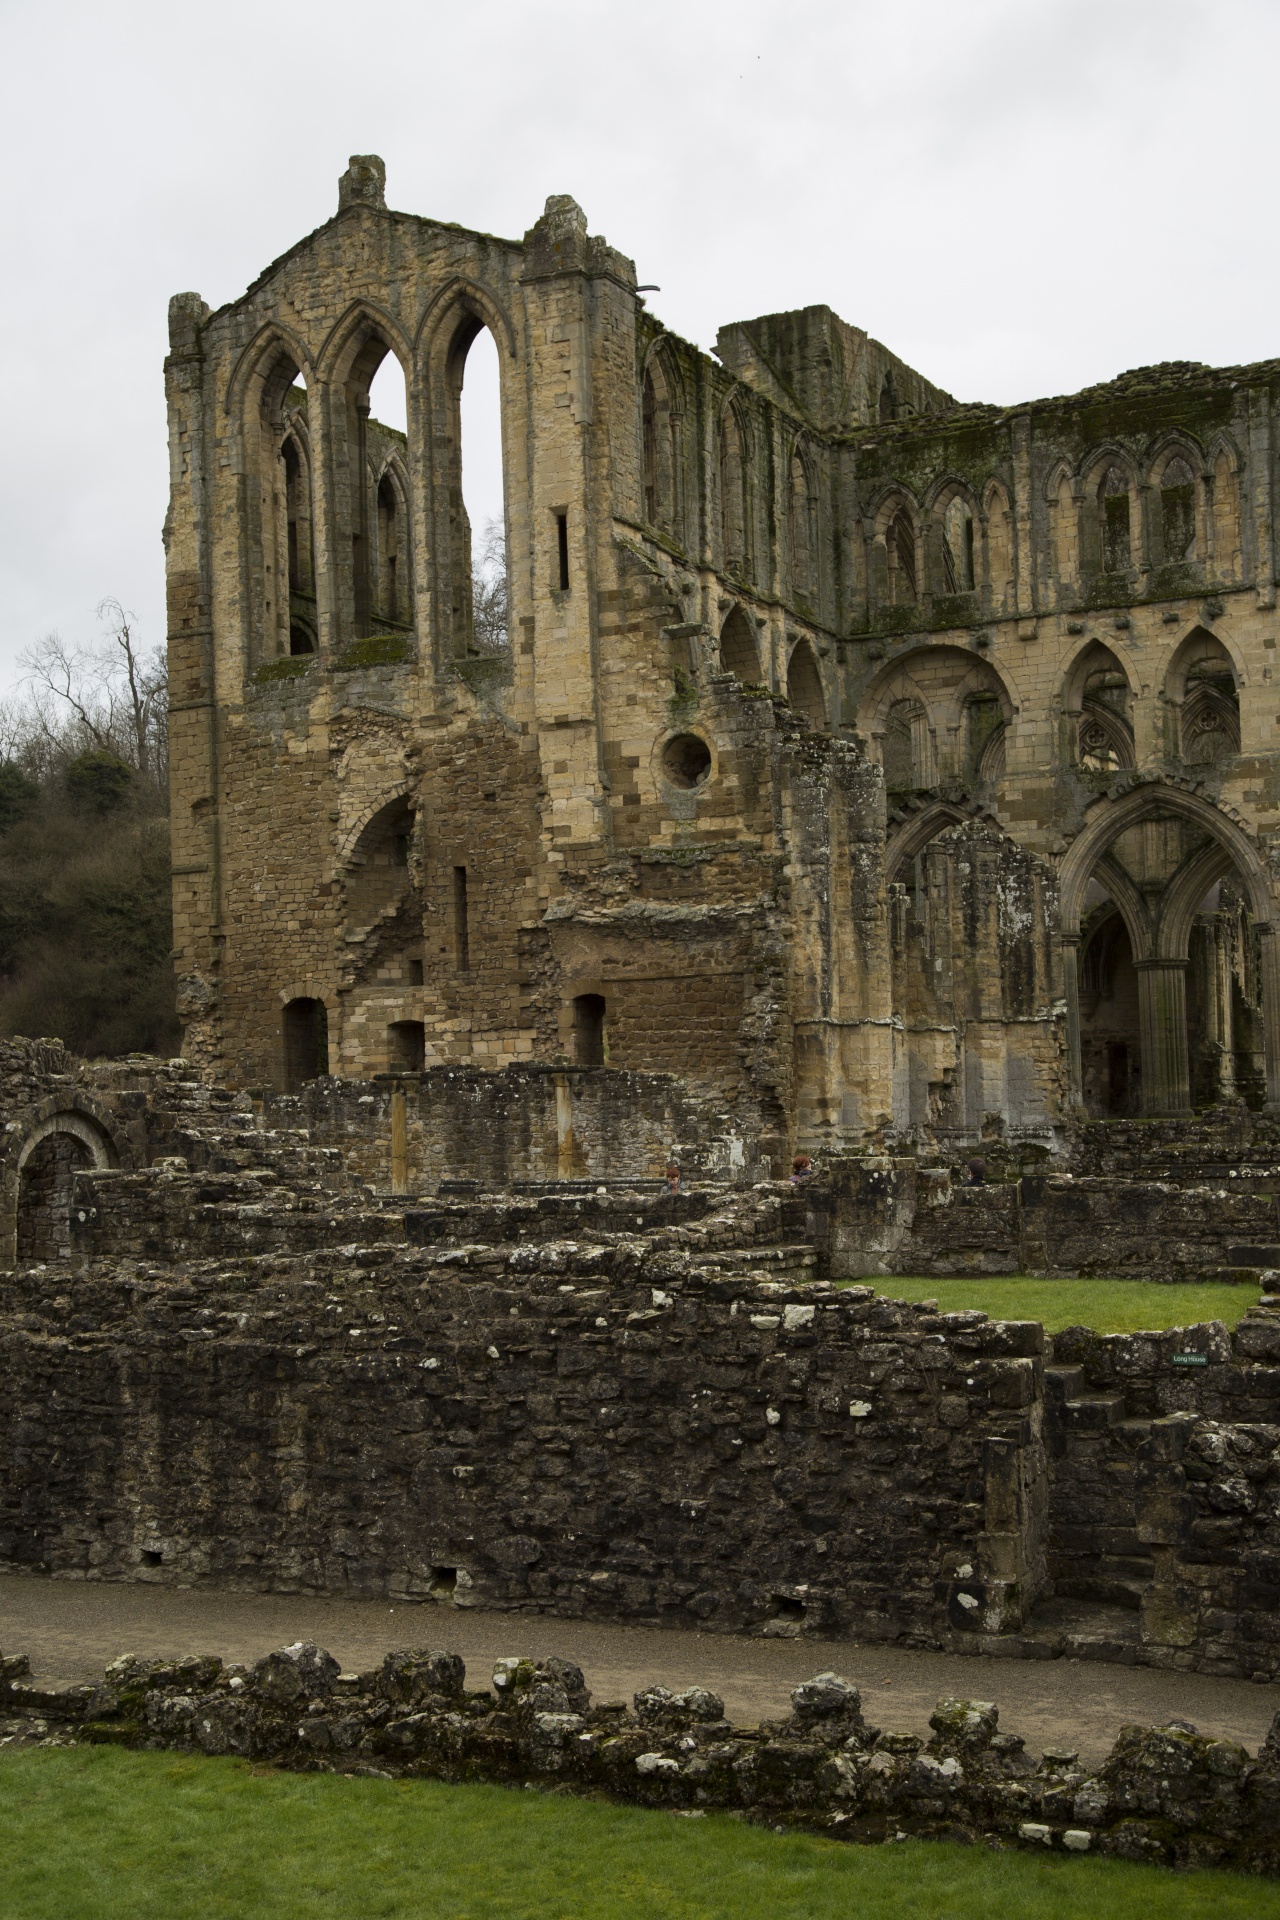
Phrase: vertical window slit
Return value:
(562, 538)
(461, 934)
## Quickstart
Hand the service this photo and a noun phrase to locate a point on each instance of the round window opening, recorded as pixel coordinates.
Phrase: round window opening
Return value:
(686, 760)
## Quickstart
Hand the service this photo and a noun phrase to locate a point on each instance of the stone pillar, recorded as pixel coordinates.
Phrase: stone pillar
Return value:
(1218, 1004)
(1162, 1020)
(1071, 998)
(330, 574)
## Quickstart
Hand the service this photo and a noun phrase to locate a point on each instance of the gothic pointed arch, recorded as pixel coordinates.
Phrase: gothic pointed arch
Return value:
(952, 518)
(739, 647)
(1111, 815)
(1202, 688)
(997, 540)
(896, 554)
(804, 685)
(661, 441)
(802, 533)
(1098, 693)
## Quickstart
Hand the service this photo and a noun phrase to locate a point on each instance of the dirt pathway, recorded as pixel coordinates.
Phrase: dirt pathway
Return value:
(70, 1629)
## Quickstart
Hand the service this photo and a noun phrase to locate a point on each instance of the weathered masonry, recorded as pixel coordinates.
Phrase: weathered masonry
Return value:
(227, 1356)
(869, 760)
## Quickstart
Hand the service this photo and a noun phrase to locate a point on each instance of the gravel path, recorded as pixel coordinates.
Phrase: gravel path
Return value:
(70, 1629)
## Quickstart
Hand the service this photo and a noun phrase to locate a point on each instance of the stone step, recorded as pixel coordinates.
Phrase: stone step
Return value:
(1062, 1384)
(793, 1259)
(1097, 1413)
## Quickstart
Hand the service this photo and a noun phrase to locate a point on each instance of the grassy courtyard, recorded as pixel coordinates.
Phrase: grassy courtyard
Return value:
(1109, 1306)
(94, 1833)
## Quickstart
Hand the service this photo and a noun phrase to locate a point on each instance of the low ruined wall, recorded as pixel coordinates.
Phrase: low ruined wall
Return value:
(589, 1431)
(522, 1123)
(1165, 1795)
(876, 1215)
(1165, 1456)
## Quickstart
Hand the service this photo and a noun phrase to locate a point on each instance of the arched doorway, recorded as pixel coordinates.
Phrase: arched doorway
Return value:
(58, 1149)
(1197, 914)
(1110, 1043)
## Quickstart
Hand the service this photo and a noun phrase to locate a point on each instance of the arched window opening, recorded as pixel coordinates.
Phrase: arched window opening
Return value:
(406, 1046)
(373, 422)
(1110, 1052)
(481, 610)
(957, 547)
(733, 493)
(590, 1048)
(739, 653)
(280, 509)
(300, 551)
(1210, 717)
(392, 600)
(1104, 723)
(888, 407)
(985, 742)
(306, 1042)
(377, 873)
(649, 433)
(1226, 519)
(802, 543)
(301, 639)
(804, 686)
(999, 530)
(900, 551)
(1113, 499)
(1178, 511)
(660, 446)
(45, 1187)
(1201, 688)
(905, 751)
(1066, 536)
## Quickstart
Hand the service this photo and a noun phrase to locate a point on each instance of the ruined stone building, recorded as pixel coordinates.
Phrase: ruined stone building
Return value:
(875, 764)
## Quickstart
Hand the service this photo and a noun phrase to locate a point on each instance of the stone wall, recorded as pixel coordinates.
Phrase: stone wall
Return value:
(524, 1123)
(894, 1215)
(1166, 1795)
(1166, 1451)
(586, 1431)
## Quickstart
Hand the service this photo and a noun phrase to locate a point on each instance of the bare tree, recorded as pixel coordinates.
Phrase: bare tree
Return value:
(111, 697)
(490, 599)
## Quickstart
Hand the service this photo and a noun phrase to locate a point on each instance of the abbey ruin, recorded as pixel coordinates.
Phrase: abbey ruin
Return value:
(864, 774)
(868, 760)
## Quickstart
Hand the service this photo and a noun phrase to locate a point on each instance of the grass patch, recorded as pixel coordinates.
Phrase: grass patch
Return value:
(377, 650)
(93, 1833)
(292, 666)
(1108, 1306)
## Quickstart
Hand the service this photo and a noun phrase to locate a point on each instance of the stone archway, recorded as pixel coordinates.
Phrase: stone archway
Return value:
(61, 1146)
(1166, 848)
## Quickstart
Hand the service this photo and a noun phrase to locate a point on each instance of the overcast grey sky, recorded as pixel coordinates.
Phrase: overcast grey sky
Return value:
(1018, 196)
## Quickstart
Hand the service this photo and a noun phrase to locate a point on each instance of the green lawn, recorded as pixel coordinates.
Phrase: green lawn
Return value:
(95, 1833)
(1109, 1306)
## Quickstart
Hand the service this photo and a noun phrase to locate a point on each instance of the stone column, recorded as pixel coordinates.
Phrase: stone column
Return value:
(1218, 997)
(1071, 997)
(1162, 1020)
(330, 577)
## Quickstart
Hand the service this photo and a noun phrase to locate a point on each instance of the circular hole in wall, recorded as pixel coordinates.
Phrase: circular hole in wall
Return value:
(686, 760)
